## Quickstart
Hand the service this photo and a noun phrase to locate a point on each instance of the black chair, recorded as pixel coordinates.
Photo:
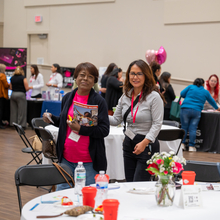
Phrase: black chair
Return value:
(40, 175)
(171, 135)
(28, 149)
(171, 123)
(205, 171)
(38, 122)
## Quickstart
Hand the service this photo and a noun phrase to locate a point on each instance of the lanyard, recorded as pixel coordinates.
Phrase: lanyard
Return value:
(52, 76)
(32, 78)
(132, 101)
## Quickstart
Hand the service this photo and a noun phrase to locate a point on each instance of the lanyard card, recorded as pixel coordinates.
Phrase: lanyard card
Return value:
(74, 137)
(130, 134)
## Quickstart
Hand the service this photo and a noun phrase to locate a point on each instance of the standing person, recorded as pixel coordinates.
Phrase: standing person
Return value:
(105, 76)
(169, 94)
(3, 93)
(114, 89)
(156, 69)
(18, 102)
(56, 79)
(194, 98)
(212, 85)
(90, 148)
(144, 120)
(36, 82)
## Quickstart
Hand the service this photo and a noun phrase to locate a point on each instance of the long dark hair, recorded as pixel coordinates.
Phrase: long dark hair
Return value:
(198, 82)
(36, 71)
(110, 68)
(164, 79)
(149, 83)
(56, 65)
(216, 90)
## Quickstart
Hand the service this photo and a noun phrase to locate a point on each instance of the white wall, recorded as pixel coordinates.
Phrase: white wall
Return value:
(120, 32)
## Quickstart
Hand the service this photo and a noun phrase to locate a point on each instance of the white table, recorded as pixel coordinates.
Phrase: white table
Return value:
(114, 152)
(135, 206)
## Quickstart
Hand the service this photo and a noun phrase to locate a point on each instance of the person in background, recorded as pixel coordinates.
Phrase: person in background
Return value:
(156, 69)
(105, 76)
(194, 98)
(169, 94)
(36, 82)
(144, 120)
(90, 148)
(3, 93)
(114, 89)
(212, 85)
(56, 79)
(18, 102)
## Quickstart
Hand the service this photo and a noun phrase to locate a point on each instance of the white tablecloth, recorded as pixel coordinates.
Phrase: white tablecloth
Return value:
(114, 152)
(135, 206)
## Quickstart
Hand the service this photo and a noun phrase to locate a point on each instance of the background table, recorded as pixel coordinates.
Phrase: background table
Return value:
(114, 152)
(53, 107)
(135, 206)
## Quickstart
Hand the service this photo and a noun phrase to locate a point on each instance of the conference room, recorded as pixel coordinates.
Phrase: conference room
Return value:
(177, 34)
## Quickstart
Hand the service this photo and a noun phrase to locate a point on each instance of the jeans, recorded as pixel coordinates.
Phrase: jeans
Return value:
(90, 174)
(135, 165)
(189, 122)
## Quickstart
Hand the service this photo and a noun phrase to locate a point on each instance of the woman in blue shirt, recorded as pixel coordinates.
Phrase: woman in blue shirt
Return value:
(194, 98)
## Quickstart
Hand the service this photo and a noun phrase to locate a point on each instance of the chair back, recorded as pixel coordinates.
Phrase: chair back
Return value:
(38, 122)
(205, 171)
(171, 135)
(39, 175)
(171, 123)
(43, 134)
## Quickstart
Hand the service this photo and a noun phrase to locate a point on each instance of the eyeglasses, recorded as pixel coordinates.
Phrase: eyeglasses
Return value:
(83, 76)
(139, 74)
(214, 81)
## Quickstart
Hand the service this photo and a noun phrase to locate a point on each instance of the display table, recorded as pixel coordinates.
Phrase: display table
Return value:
(132, 206)
(114, 152)
(207, 135)
(54, 107)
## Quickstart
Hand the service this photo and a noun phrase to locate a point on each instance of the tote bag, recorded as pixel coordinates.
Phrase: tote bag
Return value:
(175, 110)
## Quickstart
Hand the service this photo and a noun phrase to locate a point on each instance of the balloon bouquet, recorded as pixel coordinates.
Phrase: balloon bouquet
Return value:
(159, 56)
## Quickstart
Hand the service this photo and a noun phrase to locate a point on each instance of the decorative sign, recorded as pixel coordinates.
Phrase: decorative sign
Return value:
(191, 197)
(38, 19)
(40, 60)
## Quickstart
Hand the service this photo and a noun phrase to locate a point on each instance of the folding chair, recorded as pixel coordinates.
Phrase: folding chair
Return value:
(171, 123)
(171, 135)
(28, 149)
(40, 175)
(205, 171)
(38, 122)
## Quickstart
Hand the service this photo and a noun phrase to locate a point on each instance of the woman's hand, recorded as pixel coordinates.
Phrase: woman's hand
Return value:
(74, 126)
(140, 147)
(218, 109)
(48, 84)
(45, 117)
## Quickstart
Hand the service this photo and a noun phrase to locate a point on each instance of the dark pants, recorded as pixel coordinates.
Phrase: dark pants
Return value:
(135, 165)
(2, 107)
(166, 114)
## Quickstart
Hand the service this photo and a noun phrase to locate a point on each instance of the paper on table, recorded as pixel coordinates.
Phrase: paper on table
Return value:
(142, 191)
(135, 218)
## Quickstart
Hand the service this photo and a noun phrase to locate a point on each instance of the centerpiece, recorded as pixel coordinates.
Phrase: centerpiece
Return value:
(165, 165)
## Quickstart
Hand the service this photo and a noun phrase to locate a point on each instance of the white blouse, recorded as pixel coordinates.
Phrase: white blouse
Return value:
(37, 84)
(55, 78)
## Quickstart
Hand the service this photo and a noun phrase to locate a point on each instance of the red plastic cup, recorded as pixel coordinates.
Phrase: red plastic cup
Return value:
(107, 176)
(89, 194)
(188, 177)
(110, 209)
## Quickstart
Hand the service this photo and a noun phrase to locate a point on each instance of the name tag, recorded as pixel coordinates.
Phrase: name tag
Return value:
(191, 197)
(74, 137)
(130, 134)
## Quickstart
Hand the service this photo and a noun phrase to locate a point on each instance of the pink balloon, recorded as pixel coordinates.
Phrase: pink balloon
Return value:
(161, 55)
(150, 56)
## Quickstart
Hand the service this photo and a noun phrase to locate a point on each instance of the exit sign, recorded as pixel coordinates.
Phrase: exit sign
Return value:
(38, 18)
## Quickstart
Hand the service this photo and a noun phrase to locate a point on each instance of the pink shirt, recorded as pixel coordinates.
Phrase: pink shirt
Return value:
(76, 151)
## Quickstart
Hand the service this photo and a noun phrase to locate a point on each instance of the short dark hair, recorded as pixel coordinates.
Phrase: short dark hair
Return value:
(110, 68)
(164, 79)
(56, 65)
(88, 67)
(198, 82)
(155, 66)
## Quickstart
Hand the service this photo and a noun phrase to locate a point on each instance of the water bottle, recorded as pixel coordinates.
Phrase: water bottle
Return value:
(80, 178)
(102, 188)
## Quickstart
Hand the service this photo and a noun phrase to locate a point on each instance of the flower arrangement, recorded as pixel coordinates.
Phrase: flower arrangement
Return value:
(165, 165)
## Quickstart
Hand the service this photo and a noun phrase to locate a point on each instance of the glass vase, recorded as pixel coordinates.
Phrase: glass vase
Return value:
(165, 191)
